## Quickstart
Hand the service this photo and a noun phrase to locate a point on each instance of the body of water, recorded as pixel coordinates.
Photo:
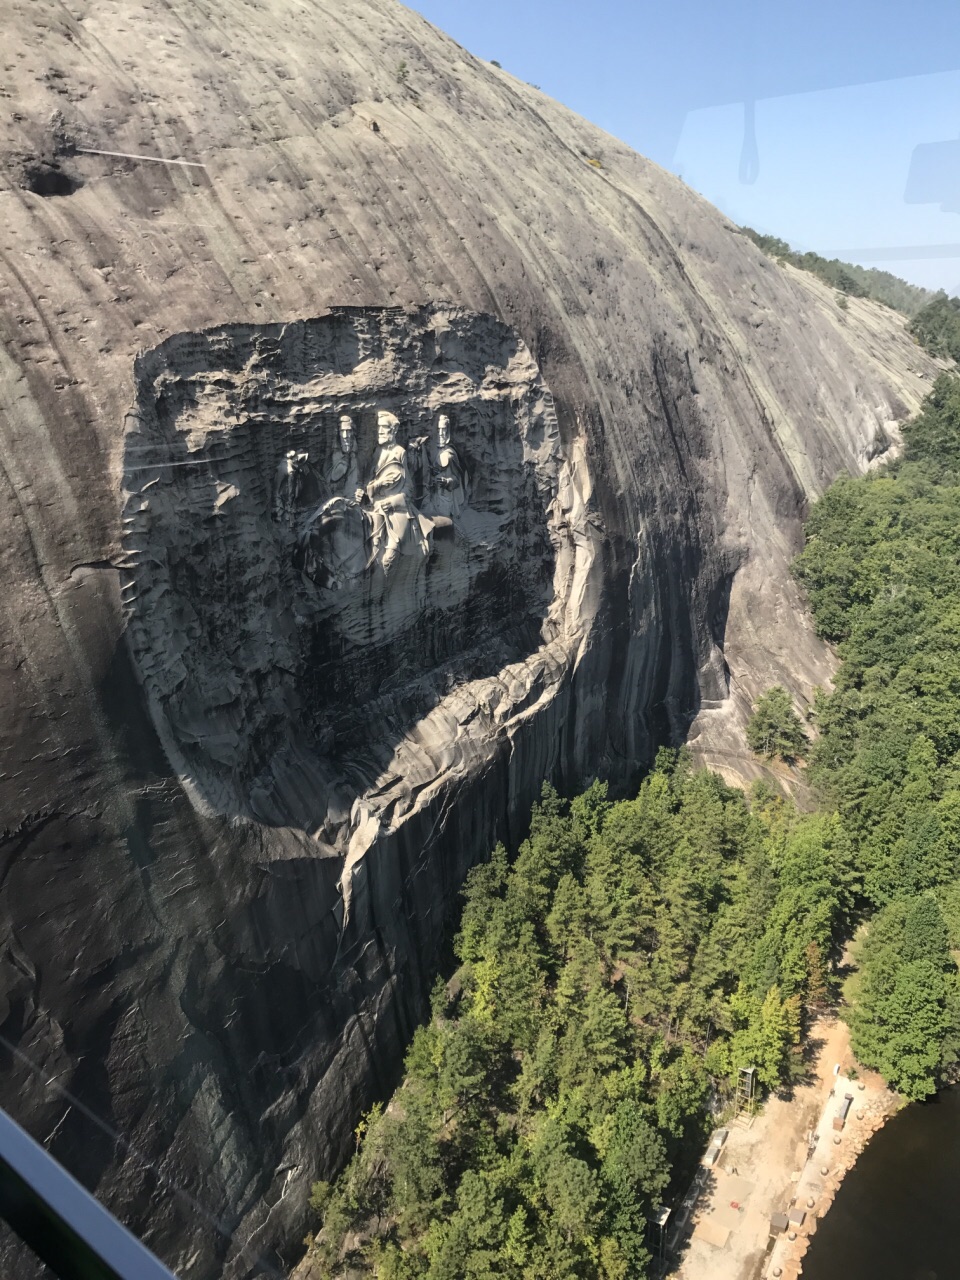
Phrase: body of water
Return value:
(896, 1213)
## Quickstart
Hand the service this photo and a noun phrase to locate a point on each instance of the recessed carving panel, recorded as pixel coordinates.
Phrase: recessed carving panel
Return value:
(332, 524)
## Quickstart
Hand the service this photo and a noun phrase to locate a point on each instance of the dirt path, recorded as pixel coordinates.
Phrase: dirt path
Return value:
(774, 1167)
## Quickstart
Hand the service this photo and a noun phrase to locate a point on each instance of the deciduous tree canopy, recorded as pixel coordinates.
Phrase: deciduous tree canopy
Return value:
(937, 327)
(847, 277)
(632, 956)
(775, 730)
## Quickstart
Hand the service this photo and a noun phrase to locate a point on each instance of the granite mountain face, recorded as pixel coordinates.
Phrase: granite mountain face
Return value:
(378, 446)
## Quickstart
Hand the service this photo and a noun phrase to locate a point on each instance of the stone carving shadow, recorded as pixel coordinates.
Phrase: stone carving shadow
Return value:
(288, 633)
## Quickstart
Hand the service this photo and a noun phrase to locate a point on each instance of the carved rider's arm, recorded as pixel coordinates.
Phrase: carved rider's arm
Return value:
(388, 476)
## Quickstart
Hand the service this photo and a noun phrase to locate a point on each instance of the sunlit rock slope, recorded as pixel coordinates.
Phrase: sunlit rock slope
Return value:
(247, 755)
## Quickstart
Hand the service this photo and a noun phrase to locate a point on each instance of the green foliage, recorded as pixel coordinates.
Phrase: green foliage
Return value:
(848, 278)
(632, 956)
(901, 1022)
(402, 73)
(882, 568)
(775, 729)
(932, 438)
(937, 327)
(766, 1031)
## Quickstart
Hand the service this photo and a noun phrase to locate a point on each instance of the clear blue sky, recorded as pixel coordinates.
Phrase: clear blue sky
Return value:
(835, 125)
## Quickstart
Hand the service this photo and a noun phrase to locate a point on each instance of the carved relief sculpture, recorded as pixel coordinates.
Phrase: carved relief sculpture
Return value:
(343, 475)
(298, 487)
(285, 667)
(288, 485)
(449, 478)
(397, 524)
(333, 548)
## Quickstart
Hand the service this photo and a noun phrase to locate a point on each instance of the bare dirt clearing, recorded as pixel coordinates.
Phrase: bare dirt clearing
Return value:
(776, 1166)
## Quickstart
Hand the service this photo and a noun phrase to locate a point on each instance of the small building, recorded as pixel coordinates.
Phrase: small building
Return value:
(778, 1222)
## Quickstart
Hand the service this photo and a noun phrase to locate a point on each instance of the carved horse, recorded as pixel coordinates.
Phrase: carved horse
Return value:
(298, 487)
(334, 544)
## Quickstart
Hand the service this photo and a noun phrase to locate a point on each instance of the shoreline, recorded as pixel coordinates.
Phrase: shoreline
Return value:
(828, 1163)
(773, 1164)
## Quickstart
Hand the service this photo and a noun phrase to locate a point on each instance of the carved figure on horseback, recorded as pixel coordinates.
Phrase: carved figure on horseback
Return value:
(344, 536)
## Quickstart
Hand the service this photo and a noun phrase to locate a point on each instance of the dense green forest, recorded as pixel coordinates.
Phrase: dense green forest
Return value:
(847, 277)
(937, 327)
(613, 976)
(630, 955)
(882, 569)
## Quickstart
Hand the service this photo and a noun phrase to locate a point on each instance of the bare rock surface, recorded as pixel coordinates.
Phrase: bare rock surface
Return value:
(245, 767)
